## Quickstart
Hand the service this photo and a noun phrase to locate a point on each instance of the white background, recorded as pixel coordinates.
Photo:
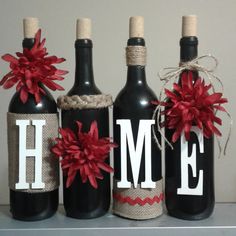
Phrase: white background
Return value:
(216, 32)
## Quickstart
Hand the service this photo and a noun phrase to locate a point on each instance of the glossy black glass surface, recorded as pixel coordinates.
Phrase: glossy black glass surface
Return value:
(33, 206)
(189, 207)
(81, 200)
(134, 103)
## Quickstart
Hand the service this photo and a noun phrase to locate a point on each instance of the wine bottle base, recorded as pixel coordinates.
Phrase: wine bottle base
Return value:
(33, 206)
(44, 215)
(184, 216)
(90, 215)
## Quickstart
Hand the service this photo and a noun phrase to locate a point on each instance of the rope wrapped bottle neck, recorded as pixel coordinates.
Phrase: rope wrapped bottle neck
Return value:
(84, 102)
(136, 55)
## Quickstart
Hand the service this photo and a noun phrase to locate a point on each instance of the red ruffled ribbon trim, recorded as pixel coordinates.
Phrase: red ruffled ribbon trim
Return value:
(126, 199)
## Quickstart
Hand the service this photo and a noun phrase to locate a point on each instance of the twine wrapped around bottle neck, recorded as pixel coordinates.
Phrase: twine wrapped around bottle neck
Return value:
(136, 55)
(170, 74)
(84, 102)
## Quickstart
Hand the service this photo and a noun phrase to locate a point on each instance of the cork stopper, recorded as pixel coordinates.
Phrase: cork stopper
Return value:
(189, 25)
(83, 28)
(136, 27)
(30, 26)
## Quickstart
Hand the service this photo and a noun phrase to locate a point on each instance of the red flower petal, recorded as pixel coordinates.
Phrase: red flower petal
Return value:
(60, 60)
(93, 181)
(23, 95)
(56, 151)
(61, 72)
(177, 133)
(213, 98)
(9, 83)
(170, 94)
(94, 130)
(70, 179)
(223, 100)
(187, 128)
(10, 58)
(79, 125)
(53, 86)
(155, 102)
(105, 167)
(5, 78)
(220, 108)
(37, 97)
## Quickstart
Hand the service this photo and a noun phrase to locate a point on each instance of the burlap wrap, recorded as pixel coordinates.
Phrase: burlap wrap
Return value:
(50, 165)
(151, 209)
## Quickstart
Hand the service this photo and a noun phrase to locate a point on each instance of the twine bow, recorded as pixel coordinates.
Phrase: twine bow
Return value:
(170, 74)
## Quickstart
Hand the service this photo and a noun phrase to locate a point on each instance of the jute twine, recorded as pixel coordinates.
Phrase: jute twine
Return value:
(138, 212)
(50, 165)
(84, 102)
(136, 55)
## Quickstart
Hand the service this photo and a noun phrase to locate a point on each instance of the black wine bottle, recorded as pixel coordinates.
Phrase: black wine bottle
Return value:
(82, 200)
(40, 205)
(190, 165)
(132, 116)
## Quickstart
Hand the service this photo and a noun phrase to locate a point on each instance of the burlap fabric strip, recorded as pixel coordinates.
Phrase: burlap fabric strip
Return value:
(84, 102)
(138, 203)
(50, 165)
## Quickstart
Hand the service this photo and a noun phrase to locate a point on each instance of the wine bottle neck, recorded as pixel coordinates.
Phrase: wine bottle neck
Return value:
(188, 48)
(136, 73)
(136, 76)
(84, 64)
(189, 51)
(28, 43)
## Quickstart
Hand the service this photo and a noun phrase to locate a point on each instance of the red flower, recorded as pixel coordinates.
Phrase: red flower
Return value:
(84, 152)
(190, 104)
(32, 68)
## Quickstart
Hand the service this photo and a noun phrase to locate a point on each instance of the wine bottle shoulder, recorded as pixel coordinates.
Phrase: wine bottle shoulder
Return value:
(84, 90)
(135, 96)
(46, 105)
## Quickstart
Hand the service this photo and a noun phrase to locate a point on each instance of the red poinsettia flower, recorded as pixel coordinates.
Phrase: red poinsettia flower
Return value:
(191, 104)
(32, 68)
(84, 152)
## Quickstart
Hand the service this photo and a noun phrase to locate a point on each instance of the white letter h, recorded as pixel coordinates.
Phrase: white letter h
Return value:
(37, 153)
